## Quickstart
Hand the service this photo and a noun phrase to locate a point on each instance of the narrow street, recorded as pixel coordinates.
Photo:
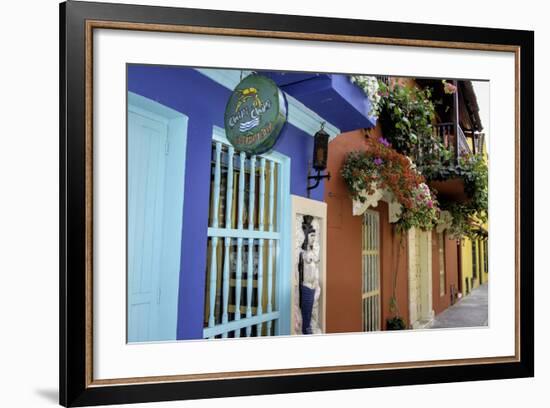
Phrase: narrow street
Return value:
(471, 311)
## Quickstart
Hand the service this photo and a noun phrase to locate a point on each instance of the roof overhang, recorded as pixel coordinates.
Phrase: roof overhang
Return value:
(332, 96)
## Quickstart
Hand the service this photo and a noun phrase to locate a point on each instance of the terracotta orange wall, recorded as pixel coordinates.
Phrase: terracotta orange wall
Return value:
(440, 303)
(344, 280)
(390, 242)
(344, 259)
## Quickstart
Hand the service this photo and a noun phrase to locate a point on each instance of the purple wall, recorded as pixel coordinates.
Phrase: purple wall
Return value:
(203, 102)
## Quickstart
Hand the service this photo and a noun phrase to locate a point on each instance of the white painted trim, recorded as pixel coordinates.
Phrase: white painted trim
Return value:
(281, 250)
(318, 209)
(141, 104)
(424, 320)
(299, 115)
(374, 249)
(218, 135)
(149, 114)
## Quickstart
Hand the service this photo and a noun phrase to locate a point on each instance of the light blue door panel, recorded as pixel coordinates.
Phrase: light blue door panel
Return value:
(146, 162)
(156, 152)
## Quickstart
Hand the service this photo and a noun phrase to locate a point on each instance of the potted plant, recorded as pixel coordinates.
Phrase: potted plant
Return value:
(395, 323)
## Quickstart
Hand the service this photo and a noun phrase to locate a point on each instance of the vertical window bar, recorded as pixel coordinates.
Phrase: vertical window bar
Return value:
(378, 277)
(227, 240)
(214, 243)
(369, 264)
(367, 271)
(270, 247)
(371, 303)
(250, 271)
(376, 273)
(371, 272)
(373, 259)
(261, 216)
(239, 271)
(365, 268)
(442, 277)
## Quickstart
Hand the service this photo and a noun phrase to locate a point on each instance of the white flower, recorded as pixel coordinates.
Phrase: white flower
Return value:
(369, 85)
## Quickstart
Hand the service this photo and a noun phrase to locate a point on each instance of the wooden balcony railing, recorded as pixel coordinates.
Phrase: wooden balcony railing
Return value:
(444, 133)
(384, 79)
(478, 141)
(450, 137)
(463, 146)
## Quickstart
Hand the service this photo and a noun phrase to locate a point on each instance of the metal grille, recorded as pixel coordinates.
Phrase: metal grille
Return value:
(371, 271)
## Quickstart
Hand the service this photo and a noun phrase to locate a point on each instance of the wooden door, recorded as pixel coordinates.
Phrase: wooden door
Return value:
(147, 139)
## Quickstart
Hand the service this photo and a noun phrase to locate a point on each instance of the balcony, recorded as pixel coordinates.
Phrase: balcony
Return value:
(448, 147)
(439, 159)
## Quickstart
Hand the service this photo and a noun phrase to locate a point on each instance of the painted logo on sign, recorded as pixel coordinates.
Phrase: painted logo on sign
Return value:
(255, 114)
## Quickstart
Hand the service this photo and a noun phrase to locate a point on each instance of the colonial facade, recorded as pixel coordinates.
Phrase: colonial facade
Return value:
(224, 243)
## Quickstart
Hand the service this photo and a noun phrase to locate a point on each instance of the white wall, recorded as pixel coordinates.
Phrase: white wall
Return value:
(29, 201)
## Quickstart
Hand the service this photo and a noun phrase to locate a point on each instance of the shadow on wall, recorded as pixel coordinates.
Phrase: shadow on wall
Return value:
(51, 395)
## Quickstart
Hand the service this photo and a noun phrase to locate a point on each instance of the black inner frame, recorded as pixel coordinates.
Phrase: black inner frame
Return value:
(73, 391)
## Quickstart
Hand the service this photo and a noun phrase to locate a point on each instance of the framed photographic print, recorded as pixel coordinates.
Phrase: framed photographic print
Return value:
(255, 203)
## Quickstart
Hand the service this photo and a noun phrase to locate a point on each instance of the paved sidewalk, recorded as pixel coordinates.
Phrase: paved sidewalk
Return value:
(470, 311)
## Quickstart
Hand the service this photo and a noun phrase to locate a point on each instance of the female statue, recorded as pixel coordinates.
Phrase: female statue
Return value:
(308, 269)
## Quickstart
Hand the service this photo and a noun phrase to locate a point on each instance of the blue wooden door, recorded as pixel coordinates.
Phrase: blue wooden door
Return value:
(147, 139)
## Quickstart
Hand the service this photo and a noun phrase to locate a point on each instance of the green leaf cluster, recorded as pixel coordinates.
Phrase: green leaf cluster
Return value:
(406, 115)
(469, 217)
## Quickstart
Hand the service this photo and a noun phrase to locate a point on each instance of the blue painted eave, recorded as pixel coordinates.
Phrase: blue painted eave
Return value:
(289, 78)
(332, 96)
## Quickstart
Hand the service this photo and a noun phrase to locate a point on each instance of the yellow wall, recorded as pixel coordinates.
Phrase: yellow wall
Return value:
(468, 280)
(484, 258)
(466, 252)
(466, 262)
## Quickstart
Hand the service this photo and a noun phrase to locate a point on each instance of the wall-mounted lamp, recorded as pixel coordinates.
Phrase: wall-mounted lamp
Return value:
(320, 154)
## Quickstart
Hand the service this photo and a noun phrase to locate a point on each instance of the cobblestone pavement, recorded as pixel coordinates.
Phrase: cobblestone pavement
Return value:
(470, 311)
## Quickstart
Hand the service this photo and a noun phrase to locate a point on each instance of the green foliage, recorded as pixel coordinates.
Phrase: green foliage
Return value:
(469, 216)
(356, 171)
(421, 217)
(382, 167)
(395, 323)
(406, 115)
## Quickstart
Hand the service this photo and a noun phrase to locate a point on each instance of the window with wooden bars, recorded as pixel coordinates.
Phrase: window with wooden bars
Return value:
(371, 271)
(243, 243)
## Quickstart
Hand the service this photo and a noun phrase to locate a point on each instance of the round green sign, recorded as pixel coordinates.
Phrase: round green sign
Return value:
(255, 114)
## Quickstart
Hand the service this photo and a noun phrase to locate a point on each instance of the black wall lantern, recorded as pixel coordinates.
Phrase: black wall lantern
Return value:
(320, 155)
